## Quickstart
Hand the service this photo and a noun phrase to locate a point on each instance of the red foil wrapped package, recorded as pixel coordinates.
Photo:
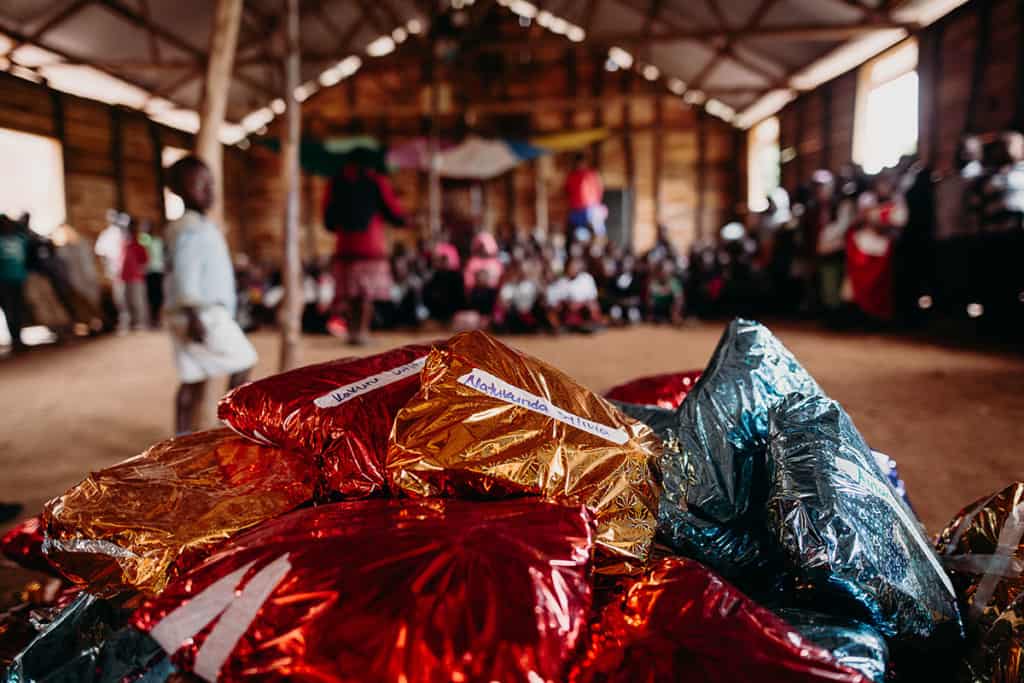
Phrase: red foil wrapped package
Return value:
(23, 545)
(491, 421)
(126, 526)
(682, 622)
(663, 391)
(339, 412)
(386, 590)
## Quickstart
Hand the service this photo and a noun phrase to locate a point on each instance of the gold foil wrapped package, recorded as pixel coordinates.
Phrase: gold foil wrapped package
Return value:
(983, 551)
(125, 526)
(490, 421)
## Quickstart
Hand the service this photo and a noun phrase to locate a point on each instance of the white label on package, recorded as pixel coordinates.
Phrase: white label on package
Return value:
(368, 384)
(499, 389)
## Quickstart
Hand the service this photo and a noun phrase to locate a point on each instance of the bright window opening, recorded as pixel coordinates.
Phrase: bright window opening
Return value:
(174, 208)
(762, 163)
(887, 101)
(32, 168)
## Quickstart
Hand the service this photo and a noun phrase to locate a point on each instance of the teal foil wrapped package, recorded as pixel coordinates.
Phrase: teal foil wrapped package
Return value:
(854, 644)
(712, 508)
(849, 543)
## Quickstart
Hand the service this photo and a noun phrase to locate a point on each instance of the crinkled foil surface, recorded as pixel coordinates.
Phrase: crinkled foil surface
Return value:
(123, 527)
(395, 590)
(491, 421)
(340, 413)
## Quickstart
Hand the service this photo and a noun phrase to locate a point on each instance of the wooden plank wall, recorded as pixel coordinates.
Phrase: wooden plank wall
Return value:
(110, 155)
(692, 197)
(957, 92)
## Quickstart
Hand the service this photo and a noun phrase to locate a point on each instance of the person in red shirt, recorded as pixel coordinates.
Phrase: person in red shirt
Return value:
(133, 274)
(358, 203)
(585, 191)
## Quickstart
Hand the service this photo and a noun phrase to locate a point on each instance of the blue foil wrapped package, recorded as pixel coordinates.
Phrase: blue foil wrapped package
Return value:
(712, 508)
(849, 542)
(853, 643)
(88, 643)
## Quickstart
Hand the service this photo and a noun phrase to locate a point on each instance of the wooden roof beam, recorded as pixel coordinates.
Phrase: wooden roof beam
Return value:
(73, 58)
(50, 24)
(133, 17)
(822, 32)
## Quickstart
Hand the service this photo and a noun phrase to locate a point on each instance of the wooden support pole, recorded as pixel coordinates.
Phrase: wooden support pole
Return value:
(117, 155)
(572, 80)
(658, 155)
(702, 148)
(291, 307)
(434, 156)
(802, 173)
(541, 166)
(979, 68)
(938, 35)
(60, 132)
(597, 89)
(223, 39)
(510, 203)
(627, 153)
(157, 143)
(826, 125)
(1018, 118)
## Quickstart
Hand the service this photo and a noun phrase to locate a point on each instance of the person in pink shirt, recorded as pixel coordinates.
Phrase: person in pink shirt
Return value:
(133, 274)
(483, 257)
(358, 203)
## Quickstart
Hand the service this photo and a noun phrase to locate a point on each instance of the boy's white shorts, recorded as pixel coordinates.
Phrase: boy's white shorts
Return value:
(224, 351)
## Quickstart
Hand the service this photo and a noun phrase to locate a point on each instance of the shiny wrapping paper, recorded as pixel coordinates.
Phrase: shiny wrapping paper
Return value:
(123, 527)
(490, 421)
(387, 590)
(85, 643)
(23, 545)
(712, 508)
(340, 413)
(852, 643)
(682, 622)
(663, 391)
(888, 467)
(983, 550)
(850, 542)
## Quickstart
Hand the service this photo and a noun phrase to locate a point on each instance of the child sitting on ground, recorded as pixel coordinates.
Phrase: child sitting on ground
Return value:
(573, 298)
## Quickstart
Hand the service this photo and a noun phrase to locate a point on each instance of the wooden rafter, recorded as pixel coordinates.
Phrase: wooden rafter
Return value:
(726, 49)
(154, 42)
(167, 36)
(391, 13)
(716, 10)
(69, 57)
(50, 24)
(368, 11)
(588, 14)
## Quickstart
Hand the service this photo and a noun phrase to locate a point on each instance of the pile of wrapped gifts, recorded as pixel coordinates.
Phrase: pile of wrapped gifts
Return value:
(460, 511)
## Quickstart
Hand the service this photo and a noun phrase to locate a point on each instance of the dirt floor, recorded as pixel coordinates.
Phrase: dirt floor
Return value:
(951, 418)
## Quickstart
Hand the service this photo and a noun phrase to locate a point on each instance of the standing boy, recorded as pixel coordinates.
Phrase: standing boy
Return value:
(200, 296)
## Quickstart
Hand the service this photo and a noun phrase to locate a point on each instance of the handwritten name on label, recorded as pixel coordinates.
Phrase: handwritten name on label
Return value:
(499, 389)
(364, 386)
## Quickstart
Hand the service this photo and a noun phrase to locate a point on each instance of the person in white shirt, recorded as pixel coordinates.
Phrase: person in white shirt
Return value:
(200, 301)
(573, 297)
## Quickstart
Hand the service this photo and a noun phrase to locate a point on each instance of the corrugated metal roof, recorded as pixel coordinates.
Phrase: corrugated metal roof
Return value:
(739, 50)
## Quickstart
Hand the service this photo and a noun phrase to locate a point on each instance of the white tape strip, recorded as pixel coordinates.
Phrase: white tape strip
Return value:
(1009, 540)
(350, 391)
(237, 618)
(499, 389)
(192, 617)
